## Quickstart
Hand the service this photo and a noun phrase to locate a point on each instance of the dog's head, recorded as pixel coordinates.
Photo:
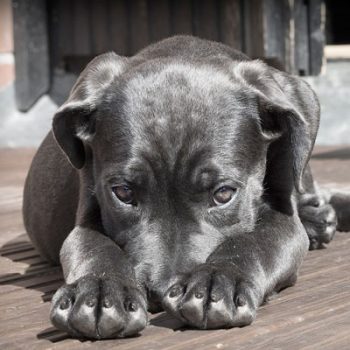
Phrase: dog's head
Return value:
(179, 156)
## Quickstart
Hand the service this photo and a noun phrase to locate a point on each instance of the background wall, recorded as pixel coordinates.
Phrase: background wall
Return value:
(333, 90)
(6, 44)
(19, 129)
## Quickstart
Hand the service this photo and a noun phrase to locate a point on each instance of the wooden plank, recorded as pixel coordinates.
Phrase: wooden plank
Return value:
(231, 23)
(159, 19)
(99, 29)
(15, 247)
(33, 282)
(62, 19)
(139, 29)
(301, 38)
(181, 17)
(276, 25)
(21, 255)
(32, 54)
(205, 19)
(316, 34)
(287, 33)
(254, 39)
(82, 28)
(118, 26)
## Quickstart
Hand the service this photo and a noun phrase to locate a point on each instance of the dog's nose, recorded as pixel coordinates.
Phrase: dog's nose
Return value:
(154, 301)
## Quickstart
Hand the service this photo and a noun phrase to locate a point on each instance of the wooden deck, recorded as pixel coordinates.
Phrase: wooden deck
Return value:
(314, 314)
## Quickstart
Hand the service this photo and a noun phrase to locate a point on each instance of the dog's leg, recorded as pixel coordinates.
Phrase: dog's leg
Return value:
(316, 213)
(318, 217)
(101, 298)
(322, 212)
(238, 276)
(341, 204)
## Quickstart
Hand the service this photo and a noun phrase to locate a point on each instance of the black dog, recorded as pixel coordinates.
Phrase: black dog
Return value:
(190, 194)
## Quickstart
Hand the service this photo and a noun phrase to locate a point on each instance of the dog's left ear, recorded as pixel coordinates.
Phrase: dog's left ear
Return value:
(288, 116)
(74, 121)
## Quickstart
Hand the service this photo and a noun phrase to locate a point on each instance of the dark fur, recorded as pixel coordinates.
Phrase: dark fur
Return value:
(176, 121)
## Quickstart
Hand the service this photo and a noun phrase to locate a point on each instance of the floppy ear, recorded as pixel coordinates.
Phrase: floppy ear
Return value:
(74, 121)
(288, 117)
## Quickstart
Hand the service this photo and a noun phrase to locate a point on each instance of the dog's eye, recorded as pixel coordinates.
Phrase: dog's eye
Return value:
(223, 195)
(124, 193)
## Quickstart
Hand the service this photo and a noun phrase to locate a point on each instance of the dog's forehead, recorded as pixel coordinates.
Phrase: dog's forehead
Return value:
(180, 97)
(182, 109)
(162, 88)
(180, 93)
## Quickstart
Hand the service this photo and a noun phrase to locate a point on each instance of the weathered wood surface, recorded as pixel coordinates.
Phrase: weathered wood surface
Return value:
(31, 51)
(314, 314)
(289, 32)
(54, 40)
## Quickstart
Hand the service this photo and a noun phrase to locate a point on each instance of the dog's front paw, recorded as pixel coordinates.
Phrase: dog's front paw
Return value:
(99, 308)
(212, 296)
(319, 219)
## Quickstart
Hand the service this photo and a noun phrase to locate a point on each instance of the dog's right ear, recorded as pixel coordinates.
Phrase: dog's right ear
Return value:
(74, 122)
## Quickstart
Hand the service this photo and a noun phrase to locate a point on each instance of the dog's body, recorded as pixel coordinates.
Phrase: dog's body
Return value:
(189, 155)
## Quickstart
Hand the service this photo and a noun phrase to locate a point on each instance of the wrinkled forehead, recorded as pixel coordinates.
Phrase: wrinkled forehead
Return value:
(189, 113)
